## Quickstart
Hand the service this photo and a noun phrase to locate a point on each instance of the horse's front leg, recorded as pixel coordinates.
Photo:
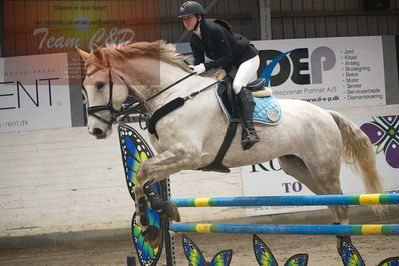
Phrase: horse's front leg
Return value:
(178, 157)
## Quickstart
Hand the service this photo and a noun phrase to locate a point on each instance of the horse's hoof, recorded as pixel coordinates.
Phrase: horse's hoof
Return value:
(170, 211)
(152, 235)
(156, 204)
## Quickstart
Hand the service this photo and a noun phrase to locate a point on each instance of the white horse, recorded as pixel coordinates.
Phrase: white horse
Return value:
(309, 142)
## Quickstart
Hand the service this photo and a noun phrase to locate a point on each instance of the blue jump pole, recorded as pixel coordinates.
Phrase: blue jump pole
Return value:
(365, 229)
(308, 200)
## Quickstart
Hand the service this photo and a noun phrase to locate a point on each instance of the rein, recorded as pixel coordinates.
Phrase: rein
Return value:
(167, 88)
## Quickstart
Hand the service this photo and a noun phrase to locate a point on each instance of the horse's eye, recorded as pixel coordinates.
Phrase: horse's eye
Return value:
(100, 85)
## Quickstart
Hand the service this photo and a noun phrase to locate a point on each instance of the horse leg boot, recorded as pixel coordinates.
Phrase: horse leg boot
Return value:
(166, 208)
(155, 200)
(247, 105)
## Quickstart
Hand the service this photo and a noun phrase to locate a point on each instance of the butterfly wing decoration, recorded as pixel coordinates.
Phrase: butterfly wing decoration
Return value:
(297, 260)
(192, 252)
(393, 261)
(222, 258)
(263, 254)
(350, 256)
(382, 132)
(147, 255)
(195, 257)
(134, 151)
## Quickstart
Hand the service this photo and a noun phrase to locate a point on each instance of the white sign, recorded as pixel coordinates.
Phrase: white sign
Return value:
(329, 72)
(267, 179)
(34, 92)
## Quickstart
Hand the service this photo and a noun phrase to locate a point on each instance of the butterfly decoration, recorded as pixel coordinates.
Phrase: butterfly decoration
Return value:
(351, 257)
(393, 261)
(349, 254)
(195, 257)
(147, 255)
(135, 150)
(383, 132)
(265, 257)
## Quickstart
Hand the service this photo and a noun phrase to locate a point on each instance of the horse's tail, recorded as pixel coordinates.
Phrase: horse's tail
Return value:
(358, 153)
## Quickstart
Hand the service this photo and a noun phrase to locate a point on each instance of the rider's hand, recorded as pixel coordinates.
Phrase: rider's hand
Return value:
(198, 68)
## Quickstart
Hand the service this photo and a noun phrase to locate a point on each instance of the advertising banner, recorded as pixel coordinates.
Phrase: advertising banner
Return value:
(329, 72)
(39, 27)
(34, 92)
(268, 179)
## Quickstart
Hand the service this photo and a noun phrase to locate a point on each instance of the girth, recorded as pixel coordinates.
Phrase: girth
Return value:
(217, 165)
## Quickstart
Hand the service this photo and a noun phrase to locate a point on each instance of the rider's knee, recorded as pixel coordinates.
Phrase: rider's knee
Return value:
(237, 85)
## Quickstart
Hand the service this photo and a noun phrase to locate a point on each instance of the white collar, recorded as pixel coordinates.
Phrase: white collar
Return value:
(198, 31)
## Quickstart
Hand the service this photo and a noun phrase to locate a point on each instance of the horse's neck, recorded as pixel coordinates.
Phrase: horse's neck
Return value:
(169, 75)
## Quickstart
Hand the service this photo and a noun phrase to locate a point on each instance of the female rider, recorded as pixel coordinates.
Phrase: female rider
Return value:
(214, 39)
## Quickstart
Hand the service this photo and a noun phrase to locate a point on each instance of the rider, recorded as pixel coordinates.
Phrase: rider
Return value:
(214, 39)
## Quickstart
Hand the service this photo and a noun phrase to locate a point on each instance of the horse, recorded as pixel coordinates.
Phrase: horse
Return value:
(310, 142)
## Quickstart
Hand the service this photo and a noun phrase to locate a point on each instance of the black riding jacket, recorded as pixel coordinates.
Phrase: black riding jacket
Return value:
(218, 43)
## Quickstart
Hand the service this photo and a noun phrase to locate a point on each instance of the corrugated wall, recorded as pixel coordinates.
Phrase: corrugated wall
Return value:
(241, 15)
(292, 19)
(331, 18)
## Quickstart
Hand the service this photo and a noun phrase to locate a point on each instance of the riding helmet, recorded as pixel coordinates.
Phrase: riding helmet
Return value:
(191, 8)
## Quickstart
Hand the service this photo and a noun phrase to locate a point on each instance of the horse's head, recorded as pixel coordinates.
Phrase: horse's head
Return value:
(105, 89)
(135, 69)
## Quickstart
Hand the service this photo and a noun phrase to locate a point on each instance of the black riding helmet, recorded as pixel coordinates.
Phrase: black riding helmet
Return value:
(191, 8)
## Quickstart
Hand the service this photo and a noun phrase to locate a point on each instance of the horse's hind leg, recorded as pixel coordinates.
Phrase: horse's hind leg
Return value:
(322, 181)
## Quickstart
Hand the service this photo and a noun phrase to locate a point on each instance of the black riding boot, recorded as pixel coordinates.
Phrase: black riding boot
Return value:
(247, 104)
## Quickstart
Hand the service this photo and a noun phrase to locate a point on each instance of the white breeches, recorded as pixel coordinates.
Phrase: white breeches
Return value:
(246, 73)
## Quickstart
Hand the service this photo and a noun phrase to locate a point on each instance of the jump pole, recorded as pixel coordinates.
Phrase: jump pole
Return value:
(365, 229)
(308, 200)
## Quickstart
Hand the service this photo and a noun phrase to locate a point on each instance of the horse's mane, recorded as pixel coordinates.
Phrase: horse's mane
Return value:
(157, 49)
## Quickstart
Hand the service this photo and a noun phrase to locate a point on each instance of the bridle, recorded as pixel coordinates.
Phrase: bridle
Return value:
(92, 110)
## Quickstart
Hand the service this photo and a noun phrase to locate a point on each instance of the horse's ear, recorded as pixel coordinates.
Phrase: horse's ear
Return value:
(84, 55)
(96, 51)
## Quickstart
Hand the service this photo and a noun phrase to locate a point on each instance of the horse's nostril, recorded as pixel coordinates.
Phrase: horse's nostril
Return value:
(98, 131)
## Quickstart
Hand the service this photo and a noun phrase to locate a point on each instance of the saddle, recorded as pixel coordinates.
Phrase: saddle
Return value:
(266, 111)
